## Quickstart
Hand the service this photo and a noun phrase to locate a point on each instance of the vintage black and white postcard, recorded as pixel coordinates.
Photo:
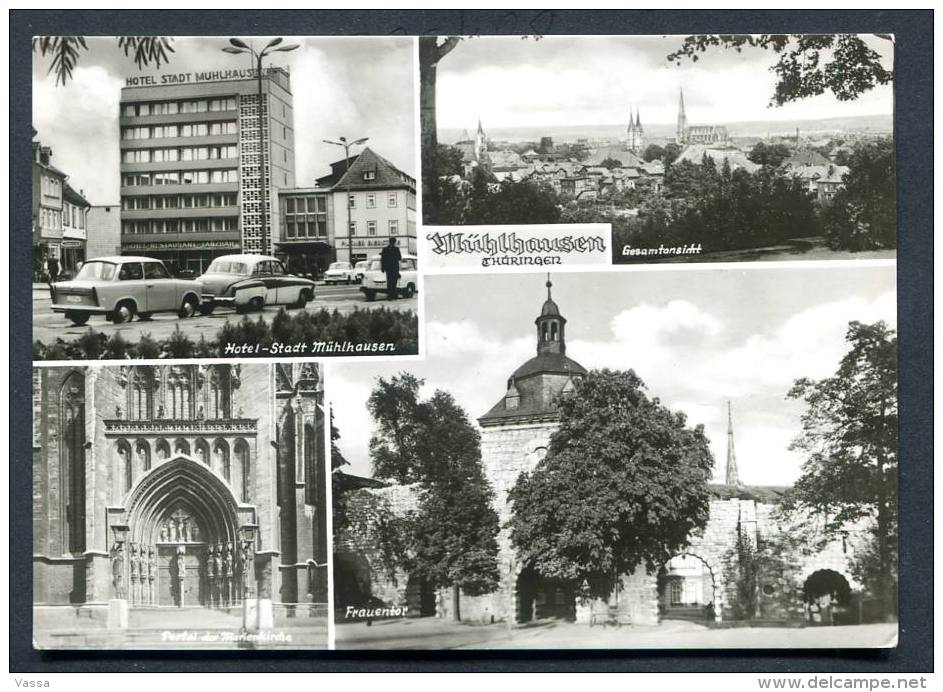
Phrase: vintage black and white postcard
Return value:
(674, 459)
(692, 148)
(200, 197)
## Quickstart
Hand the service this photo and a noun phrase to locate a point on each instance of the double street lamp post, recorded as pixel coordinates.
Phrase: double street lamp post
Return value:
(347, 145)
(238, 47)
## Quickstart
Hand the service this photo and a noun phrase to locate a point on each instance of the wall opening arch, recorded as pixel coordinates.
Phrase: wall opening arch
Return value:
(184, 538)
(688, 589)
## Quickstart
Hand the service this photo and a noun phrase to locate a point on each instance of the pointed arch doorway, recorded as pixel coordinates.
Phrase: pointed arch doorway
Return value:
(184, 539)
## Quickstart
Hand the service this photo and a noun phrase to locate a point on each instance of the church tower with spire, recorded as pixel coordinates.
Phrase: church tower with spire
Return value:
(636, 134)
(682, 118)
(732, 477)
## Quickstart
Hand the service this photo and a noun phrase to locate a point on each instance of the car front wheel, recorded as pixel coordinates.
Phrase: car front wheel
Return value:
(124, 312)
(77, 318)
(187, 309)
(207, 309)
(370, 295)
(409, 291)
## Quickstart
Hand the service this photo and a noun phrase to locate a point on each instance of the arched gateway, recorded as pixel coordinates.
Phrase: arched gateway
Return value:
(183, 539)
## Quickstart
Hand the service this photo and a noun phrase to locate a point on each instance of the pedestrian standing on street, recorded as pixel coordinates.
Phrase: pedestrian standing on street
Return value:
(52, 269)
(389, 264)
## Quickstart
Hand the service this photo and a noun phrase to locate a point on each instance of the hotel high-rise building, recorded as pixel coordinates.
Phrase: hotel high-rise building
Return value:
(191, 186)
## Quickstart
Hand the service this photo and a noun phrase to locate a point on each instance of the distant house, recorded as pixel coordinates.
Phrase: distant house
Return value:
(827, 186)
(822, 180)
(806, 157)
(695, 154)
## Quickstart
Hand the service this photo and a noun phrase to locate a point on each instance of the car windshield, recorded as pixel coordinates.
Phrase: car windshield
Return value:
(104, 271)
(338, 265)
(375, 266)
(228, 267)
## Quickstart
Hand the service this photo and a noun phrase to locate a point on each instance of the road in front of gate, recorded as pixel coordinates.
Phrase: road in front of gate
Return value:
(432, 633)
(48, 325)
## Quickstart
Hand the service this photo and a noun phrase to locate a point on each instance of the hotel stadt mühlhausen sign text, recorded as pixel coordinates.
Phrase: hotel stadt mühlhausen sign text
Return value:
(190, 77)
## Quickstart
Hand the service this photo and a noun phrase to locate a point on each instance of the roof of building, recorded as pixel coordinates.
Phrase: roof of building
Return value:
(770, 494)
(806, 157)
(348, 481)
(555, 363)
(695, 153)
(73, 197)
(386, 175)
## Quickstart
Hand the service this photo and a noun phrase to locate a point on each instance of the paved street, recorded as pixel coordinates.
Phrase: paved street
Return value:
(431, 633)
(48, 325)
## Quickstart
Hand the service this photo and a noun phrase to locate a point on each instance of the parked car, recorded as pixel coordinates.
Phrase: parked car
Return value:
(340, 272)
(374, 280)
(250, 282)
(360, 269)
(122, 287)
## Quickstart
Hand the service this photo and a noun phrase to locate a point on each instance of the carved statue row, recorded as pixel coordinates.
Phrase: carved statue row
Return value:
(224, 571)
(142, 571)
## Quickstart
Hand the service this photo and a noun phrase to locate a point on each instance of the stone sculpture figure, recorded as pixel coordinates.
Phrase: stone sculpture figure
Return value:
(163, 533)
(218, 571)
(117, 568)
(181, 568)
(151, 574)
(227, 572)
(135, 572)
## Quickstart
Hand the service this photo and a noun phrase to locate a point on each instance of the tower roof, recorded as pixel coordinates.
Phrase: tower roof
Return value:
(732, 477)
(535, 385)
(549, 308)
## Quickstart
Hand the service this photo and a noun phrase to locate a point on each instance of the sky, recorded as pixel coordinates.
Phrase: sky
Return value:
(566, 80)
(342, 86)
(696, 337)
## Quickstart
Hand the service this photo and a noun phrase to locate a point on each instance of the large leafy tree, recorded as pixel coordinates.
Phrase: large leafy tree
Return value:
(431, 442)
(807, 64)
(623, 485)
(338, 461)
(65, 52)
(862, 216)
(849, 437)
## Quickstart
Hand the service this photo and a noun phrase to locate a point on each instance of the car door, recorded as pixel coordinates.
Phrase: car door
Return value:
(161, 288)
(131, 285)
(263, 271)
(286, 289)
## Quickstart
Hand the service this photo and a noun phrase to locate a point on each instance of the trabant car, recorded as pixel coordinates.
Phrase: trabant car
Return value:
(250, 282)
(340, 272)
(122, 287)
(374, 280)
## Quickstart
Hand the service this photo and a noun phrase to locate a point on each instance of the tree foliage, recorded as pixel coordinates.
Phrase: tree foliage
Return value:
(66, 51)
(807, 65)
(862, 215)
(721, 208)
(767, 154)
(452, 537)
(483, 201)
(623, 485)
(849, 437)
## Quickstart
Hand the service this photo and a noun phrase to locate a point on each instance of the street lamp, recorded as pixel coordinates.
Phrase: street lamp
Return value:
(238, 47)
(347, 145)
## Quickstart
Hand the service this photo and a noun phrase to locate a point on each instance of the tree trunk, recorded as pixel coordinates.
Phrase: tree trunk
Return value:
(456, 603)
(428, 138)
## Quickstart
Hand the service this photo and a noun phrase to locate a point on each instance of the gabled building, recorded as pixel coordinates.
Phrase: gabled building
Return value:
(372, 201)
(48, 204)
